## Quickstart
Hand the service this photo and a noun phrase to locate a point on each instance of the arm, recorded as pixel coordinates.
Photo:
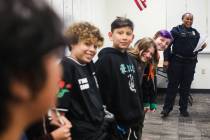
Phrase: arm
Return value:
(41, 131)
(66, 86)
(105, 84)
(168, 52)
(145, 89)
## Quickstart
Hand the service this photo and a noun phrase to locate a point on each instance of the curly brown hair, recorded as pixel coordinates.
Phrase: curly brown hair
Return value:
(86, 32)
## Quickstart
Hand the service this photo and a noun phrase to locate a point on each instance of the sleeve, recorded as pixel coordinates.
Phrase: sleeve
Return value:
(153, 95)
(64, 94)
(104, 80)
(149, 84)
(168, 52)
(36, 132)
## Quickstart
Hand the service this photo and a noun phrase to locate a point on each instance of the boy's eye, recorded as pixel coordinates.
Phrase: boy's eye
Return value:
(87, 44)
(120, 32)
(129, 33)
(95, 47)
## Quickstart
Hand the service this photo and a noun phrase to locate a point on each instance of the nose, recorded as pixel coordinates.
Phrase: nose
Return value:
(92, 48)
(164, 45)
(124, 36)
(149, 56)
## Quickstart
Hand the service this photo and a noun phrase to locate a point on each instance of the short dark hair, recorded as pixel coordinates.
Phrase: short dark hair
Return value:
(186, 14)
(29, 31)
(121, 22)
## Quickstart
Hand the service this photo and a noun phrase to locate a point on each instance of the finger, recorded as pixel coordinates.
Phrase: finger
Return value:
(67, 135)
(66, 121)
(68, 138)
(55, 123)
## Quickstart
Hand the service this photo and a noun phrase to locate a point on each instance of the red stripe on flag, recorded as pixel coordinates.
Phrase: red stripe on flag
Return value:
(138, 5)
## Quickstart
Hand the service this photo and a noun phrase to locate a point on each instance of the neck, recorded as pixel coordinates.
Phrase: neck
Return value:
(76, 60)
(12, 133)
(121, 50)
(15, 127)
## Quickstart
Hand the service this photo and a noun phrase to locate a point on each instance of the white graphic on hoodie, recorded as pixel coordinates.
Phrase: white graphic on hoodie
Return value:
(131, 83)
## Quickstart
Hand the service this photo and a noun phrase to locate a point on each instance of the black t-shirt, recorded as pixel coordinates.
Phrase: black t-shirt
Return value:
(81, 94)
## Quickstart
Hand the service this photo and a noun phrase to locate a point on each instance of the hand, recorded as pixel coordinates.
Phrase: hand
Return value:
(66, 121)
(146, 107)
(204, 46)
(58, 120)
(153, 107)
(62, 133)
(165, 65)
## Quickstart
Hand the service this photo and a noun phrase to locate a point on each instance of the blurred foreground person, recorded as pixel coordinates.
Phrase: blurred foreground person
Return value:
(30, 43)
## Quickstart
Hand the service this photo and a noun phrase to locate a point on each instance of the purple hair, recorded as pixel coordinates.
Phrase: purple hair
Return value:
(163, 33)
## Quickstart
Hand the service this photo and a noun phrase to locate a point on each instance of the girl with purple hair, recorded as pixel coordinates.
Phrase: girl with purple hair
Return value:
(162, 40)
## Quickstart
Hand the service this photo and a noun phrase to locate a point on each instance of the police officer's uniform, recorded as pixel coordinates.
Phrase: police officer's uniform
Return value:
(182, 62)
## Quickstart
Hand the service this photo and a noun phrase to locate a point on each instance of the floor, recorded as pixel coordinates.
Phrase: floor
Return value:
(176, 127)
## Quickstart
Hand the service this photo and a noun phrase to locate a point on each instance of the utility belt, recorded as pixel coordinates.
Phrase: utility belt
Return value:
(185, 58)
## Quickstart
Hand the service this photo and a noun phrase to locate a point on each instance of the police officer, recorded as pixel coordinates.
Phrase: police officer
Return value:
(180, 61)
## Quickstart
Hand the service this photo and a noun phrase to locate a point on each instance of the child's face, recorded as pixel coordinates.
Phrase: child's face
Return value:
(147, 55)
(83, 52)
(121, 38)
(162, 43)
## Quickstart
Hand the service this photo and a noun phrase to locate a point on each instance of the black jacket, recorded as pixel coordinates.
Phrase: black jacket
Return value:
(119, 85)
(82, 99)
(185, 41)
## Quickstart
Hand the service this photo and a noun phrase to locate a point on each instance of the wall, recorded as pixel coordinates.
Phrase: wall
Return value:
(159, 14)
(80, 10)
(93, 11)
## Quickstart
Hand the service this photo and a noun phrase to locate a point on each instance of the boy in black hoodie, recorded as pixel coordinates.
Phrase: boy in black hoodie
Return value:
(79, 93)
(119, 81)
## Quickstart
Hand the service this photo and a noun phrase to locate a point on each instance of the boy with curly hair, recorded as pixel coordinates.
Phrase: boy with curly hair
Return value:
(80, 93)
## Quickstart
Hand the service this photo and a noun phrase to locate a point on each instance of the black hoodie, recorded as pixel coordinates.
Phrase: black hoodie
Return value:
(119, 85)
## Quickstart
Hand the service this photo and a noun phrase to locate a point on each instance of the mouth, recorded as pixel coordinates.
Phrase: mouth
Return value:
(89, 56)
(123, 43)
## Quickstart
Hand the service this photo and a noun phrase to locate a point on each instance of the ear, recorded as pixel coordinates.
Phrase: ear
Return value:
(110, 35)
(20, 91)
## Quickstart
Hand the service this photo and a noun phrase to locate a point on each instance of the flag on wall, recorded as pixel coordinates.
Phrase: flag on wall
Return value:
(141, 4)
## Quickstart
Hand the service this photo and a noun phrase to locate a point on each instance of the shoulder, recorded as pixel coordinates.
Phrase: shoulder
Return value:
(66, 61)
(132, 57)
(67, 65)
(177, 28)
(195, 31)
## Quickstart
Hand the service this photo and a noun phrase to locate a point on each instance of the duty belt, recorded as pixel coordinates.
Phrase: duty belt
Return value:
(185, 58)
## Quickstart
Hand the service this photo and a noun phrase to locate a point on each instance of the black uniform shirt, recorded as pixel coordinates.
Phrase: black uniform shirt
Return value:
(185, 41)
